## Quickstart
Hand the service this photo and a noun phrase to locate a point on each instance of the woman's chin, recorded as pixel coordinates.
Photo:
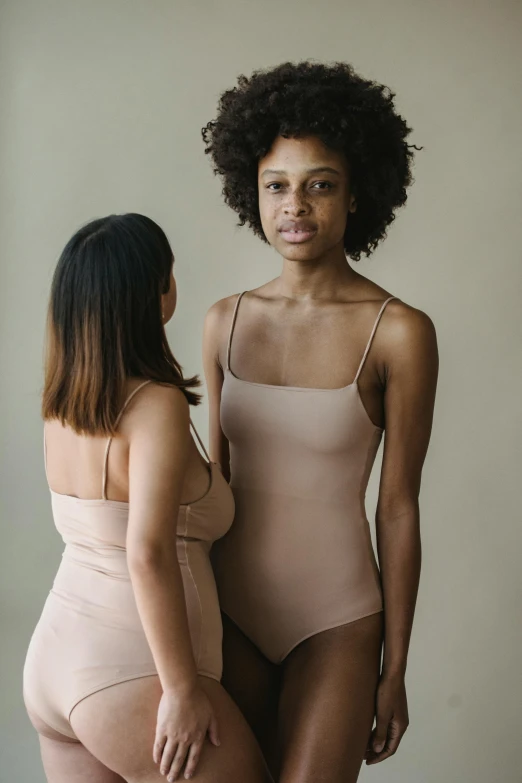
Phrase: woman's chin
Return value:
(303, 251)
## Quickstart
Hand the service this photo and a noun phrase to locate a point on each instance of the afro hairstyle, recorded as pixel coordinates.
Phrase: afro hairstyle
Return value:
(332, 102)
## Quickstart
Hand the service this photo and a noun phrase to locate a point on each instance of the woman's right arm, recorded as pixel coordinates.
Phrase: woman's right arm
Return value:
(213, 341)
(159, 436)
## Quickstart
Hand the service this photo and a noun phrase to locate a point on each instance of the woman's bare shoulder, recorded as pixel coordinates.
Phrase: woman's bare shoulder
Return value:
(409, 338)
(221, 310)
(158, 407)
(406, 323)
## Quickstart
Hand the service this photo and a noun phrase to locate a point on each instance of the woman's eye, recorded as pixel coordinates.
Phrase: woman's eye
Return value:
(274, 186)
(322, 186)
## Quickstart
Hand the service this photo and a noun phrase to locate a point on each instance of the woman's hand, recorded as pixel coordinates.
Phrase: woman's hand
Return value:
(184, 720)
(391, 719)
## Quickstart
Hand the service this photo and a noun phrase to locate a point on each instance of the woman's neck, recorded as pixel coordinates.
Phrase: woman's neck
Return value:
(321, 278)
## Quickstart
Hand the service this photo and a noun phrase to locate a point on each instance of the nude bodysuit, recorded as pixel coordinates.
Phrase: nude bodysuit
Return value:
(298, 559)
(90, 634)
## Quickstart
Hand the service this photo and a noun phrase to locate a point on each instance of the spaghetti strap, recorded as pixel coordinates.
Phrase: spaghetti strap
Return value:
(229, 346)
(109, 441)
(369, 345)
(196, 433)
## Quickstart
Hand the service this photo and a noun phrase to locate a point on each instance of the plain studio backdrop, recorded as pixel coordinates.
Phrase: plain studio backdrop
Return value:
(101, 108)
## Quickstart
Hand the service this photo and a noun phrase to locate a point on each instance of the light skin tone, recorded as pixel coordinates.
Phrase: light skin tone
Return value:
(155, 465)
(309, 328)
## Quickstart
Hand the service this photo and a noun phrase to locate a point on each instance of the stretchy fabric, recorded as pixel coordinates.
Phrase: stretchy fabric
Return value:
(298, 559)
(90, 634)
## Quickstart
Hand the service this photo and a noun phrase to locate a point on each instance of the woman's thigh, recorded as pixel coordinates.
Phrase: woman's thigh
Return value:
(327, 703)
(254, 683)
(65, 760)
(70, 762)
(118, 724)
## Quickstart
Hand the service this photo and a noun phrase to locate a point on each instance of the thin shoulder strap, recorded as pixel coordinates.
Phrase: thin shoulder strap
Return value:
(376, 324)
(109, 441)
(196, 433)
(232, 325)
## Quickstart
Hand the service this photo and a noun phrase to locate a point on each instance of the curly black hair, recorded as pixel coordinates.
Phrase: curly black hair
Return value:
(348, 113)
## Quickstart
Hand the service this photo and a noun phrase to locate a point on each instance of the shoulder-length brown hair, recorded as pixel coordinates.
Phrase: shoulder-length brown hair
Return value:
(105, 323)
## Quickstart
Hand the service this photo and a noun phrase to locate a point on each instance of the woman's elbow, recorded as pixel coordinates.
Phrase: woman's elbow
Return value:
(149, 557)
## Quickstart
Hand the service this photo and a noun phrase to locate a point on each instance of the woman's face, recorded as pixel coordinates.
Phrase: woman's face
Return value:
(168, 300)
(304, 197)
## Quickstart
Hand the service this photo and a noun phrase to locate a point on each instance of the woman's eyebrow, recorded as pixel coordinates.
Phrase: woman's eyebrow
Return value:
(317, 170)
(320, 169)
(277, 172)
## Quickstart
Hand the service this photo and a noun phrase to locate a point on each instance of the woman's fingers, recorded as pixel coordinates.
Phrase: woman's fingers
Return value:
(213, 732)
(182, 731)
(178, 761)
(395, 734)
(193, 758)
(167, 757)
(159, 744)
(380, 734)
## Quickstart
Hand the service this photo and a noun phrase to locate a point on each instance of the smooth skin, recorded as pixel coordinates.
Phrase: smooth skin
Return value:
(313, 715)
(177, 724)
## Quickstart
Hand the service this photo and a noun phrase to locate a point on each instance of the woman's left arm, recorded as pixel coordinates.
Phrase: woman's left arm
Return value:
(411, 379)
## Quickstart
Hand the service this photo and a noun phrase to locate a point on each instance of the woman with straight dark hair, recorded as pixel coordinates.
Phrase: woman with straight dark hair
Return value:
(122, 675)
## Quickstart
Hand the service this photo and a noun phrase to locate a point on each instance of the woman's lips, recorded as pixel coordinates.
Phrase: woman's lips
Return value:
(296, 236)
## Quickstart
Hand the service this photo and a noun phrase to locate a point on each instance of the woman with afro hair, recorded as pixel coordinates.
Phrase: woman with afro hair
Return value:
(305, 374)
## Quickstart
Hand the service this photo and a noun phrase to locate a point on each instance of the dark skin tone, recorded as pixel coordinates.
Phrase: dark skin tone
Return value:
(309, 328)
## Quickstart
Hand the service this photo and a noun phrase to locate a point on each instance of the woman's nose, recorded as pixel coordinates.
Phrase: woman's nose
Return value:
(295, 203)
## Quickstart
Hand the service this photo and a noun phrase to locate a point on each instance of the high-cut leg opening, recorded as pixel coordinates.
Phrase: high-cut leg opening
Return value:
(109, 684)
(112, 683)
(322, 629)
(328, 628)
(247, 636)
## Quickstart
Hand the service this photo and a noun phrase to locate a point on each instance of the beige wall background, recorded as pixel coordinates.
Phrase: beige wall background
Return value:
(101, 108)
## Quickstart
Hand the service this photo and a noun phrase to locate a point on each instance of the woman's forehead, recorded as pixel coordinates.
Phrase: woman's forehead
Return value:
(308, 153)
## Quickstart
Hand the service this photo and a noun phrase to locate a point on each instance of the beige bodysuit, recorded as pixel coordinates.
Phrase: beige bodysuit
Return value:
(90, 635)
(298, 559)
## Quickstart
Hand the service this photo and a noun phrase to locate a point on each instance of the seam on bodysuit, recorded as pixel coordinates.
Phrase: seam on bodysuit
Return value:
(108, 684)
(199, 602)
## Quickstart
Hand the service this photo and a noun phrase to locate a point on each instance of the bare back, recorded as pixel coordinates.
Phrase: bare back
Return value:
(74, 463)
